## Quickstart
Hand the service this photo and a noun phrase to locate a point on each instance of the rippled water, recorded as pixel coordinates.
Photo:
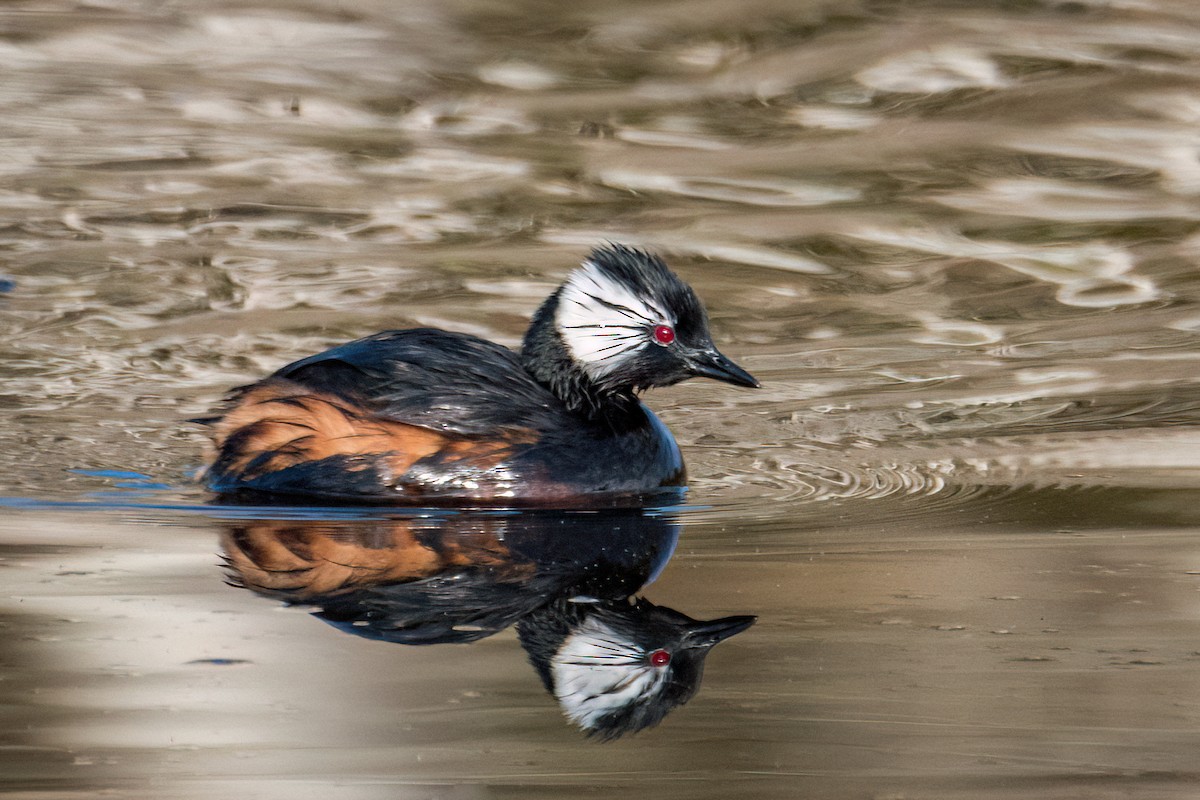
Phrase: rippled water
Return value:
(955, 241)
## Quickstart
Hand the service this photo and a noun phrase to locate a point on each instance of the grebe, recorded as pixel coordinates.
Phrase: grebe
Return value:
(425, 415)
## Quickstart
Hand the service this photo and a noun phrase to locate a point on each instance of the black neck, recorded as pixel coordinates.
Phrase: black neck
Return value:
(546, 358)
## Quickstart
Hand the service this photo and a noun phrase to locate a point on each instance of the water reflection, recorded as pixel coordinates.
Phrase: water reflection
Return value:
(616, 663)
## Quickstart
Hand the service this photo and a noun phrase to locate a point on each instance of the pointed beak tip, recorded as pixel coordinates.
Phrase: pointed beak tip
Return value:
(715, 631)
(739, 377)
(741, 622)
(713, 364)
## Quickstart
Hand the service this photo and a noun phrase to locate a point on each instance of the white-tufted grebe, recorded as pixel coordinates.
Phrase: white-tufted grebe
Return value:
(427, 415)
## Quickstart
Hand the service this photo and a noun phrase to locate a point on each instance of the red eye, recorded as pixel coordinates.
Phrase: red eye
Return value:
(664, 334)
(660, 658)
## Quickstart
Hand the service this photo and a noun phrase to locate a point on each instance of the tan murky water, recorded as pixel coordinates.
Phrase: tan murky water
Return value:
(955, 240)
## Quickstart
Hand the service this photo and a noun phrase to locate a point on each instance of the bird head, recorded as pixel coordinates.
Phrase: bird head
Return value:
(627, 323)
(619, 667)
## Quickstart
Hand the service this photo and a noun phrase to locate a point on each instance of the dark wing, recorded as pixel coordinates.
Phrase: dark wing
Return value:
(435, 379)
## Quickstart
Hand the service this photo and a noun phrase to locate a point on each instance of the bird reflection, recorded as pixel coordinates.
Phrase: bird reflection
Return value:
(616, 663)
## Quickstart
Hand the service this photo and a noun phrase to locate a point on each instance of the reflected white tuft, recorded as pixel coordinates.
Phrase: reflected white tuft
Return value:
(596, 672)
(602, 321)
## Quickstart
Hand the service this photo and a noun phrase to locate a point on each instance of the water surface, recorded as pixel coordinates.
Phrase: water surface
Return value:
(954, 240)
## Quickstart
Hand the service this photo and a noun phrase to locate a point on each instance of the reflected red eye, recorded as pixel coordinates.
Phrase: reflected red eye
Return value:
(664, 334)
(660, 658)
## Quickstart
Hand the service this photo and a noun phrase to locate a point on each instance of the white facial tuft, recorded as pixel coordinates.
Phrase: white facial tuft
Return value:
(602, 322)
(596, 673)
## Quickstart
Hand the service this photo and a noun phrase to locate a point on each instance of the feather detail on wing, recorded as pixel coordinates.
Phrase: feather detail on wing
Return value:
(443, 381)
(278, 425)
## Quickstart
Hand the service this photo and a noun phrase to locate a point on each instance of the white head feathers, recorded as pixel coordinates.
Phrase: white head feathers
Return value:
(597, 672)
(602, 322)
